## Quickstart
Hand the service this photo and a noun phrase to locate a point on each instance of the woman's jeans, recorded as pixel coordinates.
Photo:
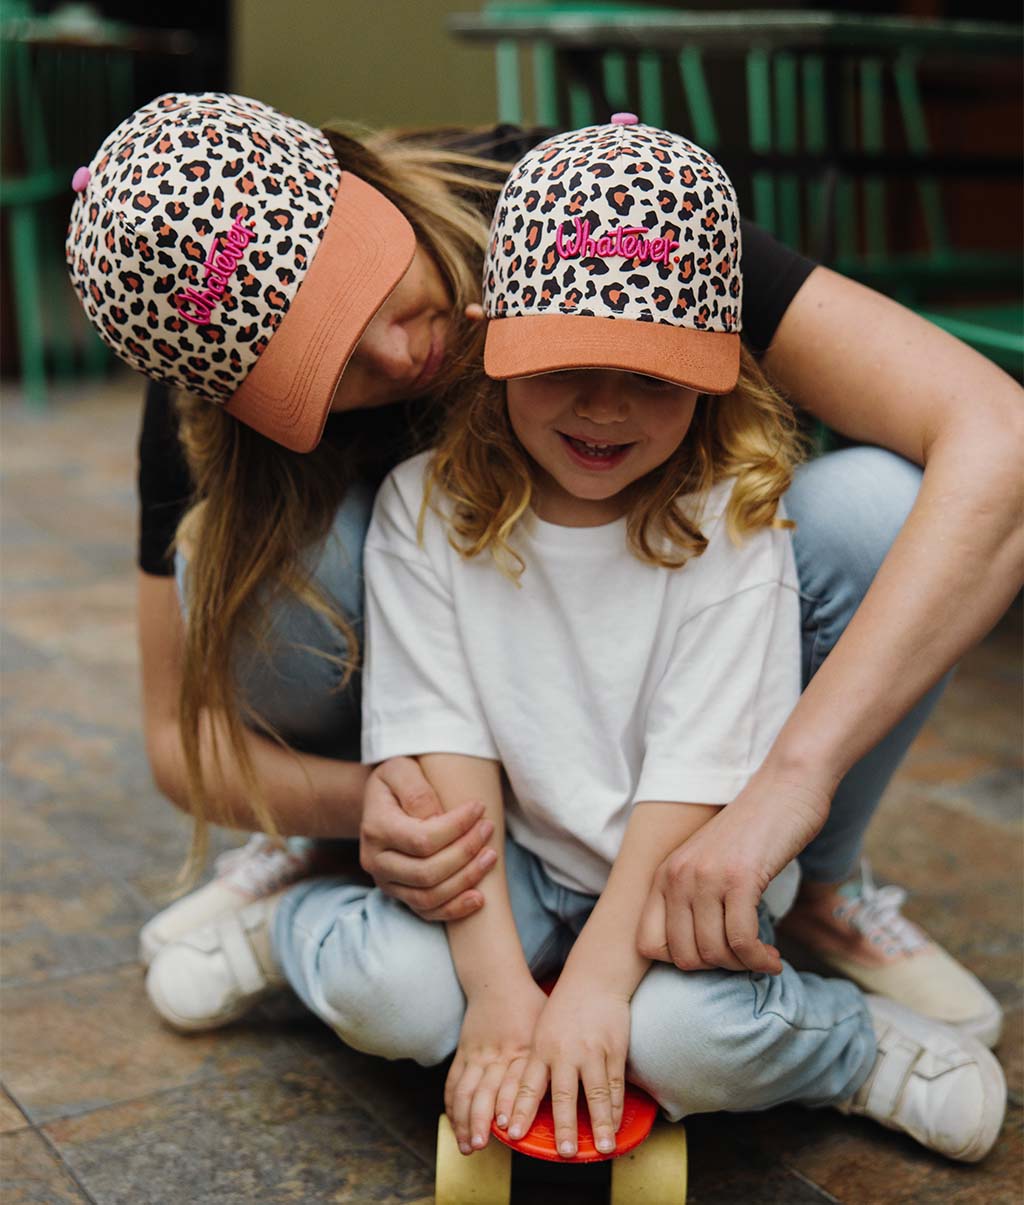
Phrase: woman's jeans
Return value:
(849, 507)
(384, 980)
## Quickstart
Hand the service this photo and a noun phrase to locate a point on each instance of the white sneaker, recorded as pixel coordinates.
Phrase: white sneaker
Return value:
(932, 1082)
(218, 973)
(254, 870)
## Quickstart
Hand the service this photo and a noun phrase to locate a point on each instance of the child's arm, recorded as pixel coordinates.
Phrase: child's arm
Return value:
(583, 1033)
(502, 1000)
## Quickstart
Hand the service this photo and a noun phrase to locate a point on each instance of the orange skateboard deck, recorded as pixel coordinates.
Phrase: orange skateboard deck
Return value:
(647, 1167)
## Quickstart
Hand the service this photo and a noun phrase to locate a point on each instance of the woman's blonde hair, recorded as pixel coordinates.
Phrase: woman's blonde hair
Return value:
(257, 507)
(750, 434)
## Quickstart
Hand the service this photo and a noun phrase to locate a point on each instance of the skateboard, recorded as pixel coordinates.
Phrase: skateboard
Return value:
(647, 1167)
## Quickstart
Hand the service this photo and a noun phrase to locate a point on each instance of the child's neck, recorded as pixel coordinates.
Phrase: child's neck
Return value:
(554, 504)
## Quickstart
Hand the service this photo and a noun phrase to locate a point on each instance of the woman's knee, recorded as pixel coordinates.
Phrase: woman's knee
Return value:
(849, 506)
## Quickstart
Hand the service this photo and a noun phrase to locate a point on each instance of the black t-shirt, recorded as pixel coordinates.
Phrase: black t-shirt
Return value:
(772, 275)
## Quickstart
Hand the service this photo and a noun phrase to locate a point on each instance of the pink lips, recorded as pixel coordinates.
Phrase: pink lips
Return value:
(595, 464)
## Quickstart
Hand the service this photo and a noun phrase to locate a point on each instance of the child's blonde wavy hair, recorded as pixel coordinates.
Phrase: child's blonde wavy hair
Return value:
(750, 434)
(257, 506)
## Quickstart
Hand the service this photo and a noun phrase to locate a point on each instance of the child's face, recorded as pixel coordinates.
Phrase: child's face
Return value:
(592, 433)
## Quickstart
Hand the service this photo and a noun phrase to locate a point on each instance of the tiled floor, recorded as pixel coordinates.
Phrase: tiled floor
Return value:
(102, 1104)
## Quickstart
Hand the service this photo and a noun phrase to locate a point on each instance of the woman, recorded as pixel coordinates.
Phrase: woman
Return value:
(842, 353)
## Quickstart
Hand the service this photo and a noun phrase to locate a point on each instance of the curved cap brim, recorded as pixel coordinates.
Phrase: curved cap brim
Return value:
(366, 248)
(524, 346)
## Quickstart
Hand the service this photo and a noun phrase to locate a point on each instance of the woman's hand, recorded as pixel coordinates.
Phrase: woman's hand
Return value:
(493, 1046)
(582, 1035)
(701, 912)
(429, 859)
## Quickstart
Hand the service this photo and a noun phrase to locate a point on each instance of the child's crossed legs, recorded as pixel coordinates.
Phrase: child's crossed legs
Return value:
(700, 1041)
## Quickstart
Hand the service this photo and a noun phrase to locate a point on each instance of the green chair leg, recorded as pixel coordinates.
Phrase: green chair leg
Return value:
(28, 302)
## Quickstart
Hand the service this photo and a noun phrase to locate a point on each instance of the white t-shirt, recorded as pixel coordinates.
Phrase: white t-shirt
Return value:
(598, 682)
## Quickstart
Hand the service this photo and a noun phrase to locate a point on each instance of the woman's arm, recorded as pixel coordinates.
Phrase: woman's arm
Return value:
(308, 795)
(878, 373)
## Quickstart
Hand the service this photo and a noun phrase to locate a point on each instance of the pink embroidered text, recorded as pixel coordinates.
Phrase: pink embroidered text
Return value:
(625, 242)
(220, 266)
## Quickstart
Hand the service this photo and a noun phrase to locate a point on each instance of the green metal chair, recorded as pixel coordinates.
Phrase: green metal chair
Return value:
(834, 122)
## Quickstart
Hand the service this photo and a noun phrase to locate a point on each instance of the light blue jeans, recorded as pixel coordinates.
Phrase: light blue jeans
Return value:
(383, 979)
(700, 1041)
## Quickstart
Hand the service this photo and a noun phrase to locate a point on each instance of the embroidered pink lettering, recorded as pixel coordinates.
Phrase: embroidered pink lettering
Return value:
(626, 241)
(220, 267)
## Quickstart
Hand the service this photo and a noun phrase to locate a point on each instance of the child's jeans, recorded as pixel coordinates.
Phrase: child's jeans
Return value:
(700, 1041)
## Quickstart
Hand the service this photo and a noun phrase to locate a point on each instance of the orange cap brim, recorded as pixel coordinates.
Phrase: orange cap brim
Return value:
(366, 248)
(534, 343)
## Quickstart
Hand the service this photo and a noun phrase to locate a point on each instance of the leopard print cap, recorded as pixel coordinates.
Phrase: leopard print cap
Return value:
(617, 221)
(194, 226)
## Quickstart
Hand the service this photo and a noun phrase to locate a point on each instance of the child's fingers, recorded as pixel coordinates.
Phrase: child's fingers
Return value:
(565, 1088)
(506, 1098)
(481, 1111)
(462, 1100)
(651, 937)
(451, 1080)
(597, 1088)
(617, 1084)
(529, 1094)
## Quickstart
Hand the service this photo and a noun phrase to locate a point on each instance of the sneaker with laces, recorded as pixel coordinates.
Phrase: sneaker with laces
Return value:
(217, 974)
(860, 933)
(254, 870)
(940, 1086)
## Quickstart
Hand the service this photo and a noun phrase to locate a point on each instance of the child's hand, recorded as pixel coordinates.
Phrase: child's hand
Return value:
(583, 1034)
(497, 1032)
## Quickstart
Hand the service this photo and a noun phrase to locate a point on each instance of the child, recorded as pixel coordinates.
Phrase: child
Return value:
(585, 602)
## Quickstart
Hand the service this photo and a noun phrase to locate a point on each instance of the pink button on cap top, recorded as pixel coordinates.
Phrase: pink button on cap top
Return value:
(80, 179)
(625, 119)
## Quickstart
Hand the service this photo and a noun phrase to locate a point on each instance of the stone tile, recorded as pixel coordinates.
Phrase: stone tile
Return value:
(403, 1097)
(728, 1166)
(294, 1135)
(59, 914)
(58, 688)
(44, 565)
(11, 1117)
(93, 625)
(103, 1045)
(30, 1173)
(1011, 1054)
(854, 1160)
(16, 657)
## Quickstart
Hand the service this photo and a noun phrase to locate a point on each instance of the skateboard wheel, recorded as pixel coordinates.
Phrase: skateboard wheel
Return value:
(654, 1173)
(483, 1178)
